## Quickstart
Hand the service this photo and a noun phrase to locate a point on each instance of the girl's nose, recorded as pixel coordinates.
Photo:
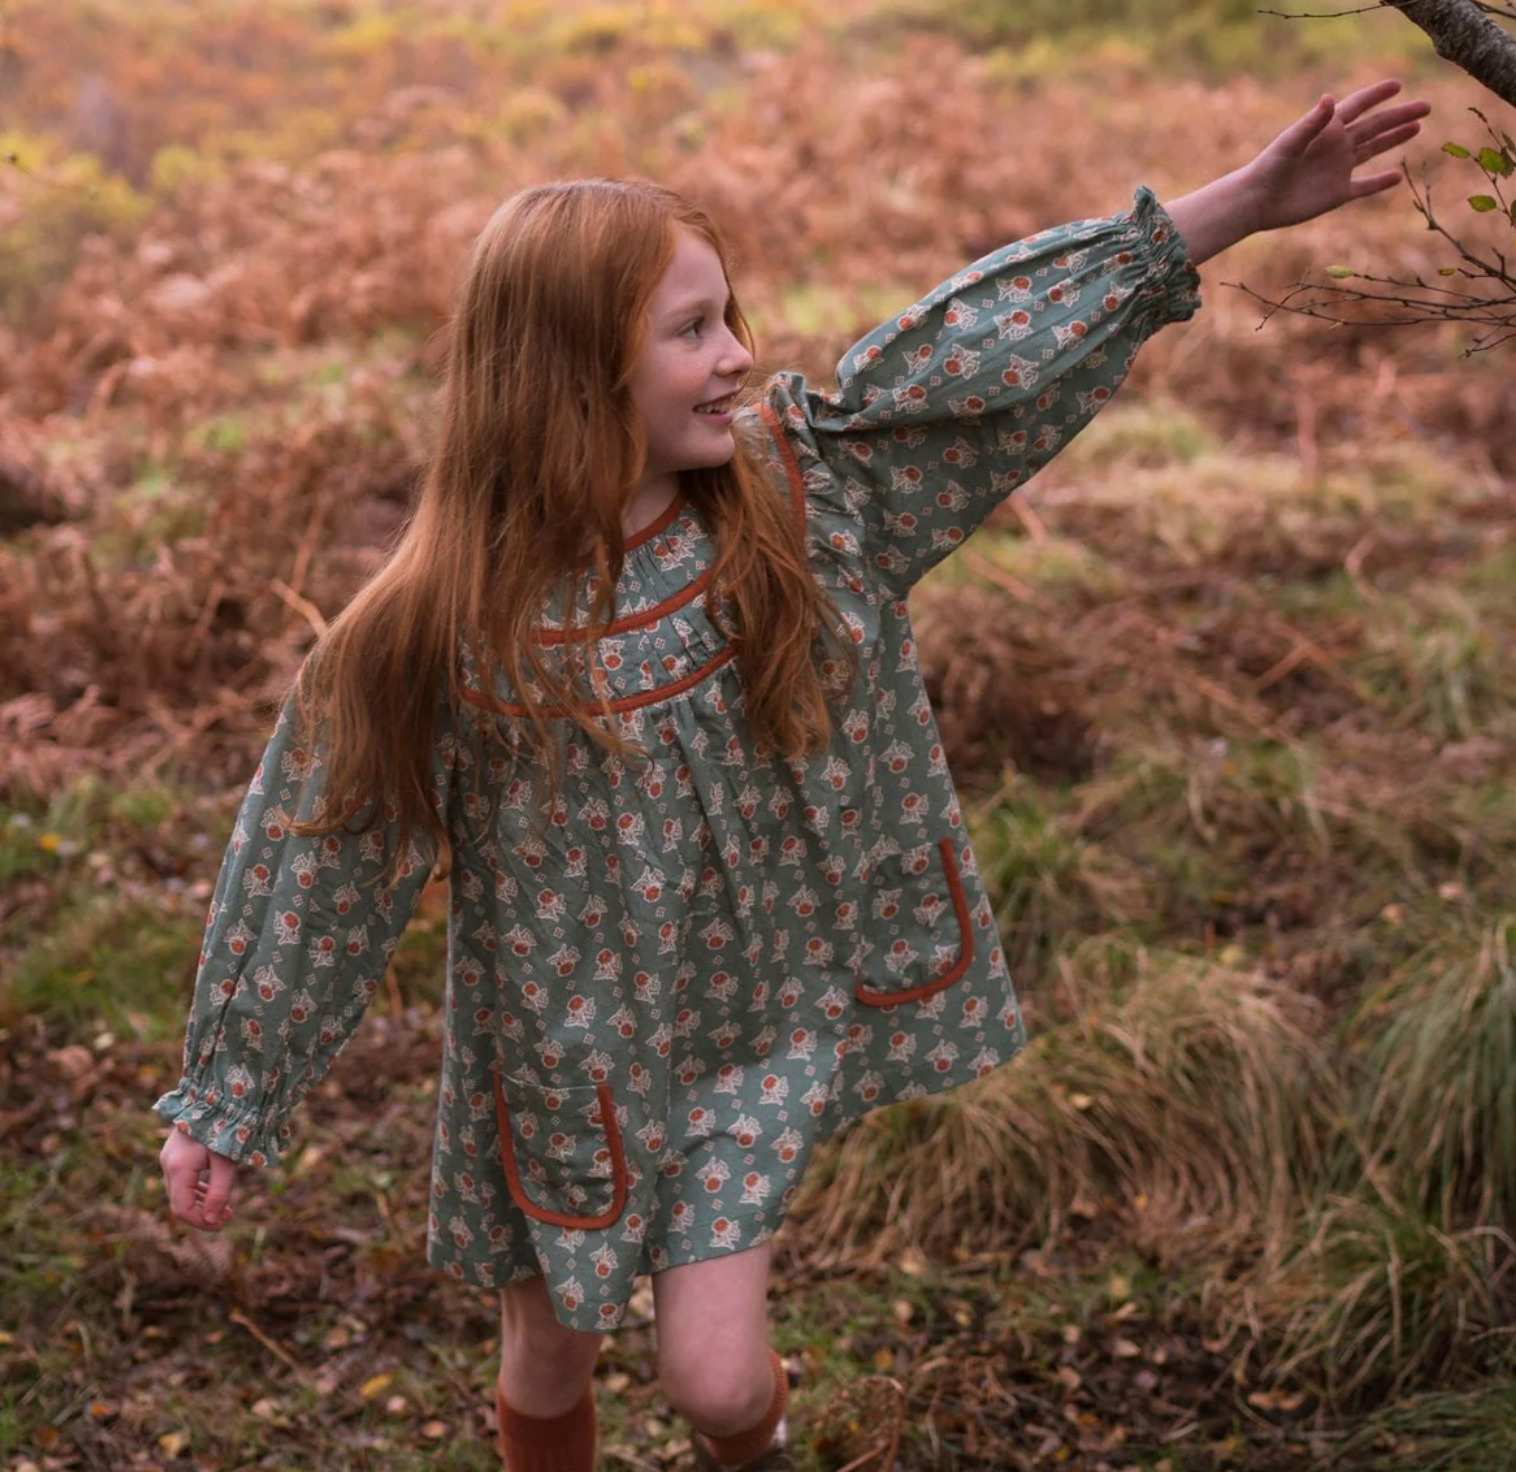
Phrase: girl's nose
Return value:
(736, 359)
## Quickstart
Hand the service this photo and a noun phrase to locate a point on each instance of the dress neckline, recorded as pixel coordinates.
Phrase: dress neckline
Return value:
(661, 522)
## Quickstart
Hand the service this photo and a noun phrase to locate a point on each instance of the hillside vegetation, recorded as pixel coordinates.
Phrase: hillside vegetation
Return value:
(1228, 691)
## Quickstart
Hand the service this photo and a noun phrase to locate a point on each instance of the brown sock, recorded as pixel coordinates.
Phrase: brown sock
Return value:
(565, 1443)
(745, 1446)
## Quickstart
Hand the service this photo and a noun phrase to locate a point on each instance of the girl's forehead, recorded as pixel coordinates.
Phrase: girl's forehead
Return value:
(694, 270)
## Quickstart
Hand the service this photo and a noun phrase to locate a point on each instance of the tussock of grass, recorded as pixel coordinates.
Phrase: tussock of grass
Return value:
(1381, 1297)
(1194, 1104)
(1440, 663)
(1473, 1431)
(1438, 1046)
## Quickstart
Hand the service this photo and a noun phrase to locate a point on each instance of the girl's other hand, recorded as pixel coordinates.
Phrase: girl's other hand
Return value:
(1308, 169)
(204, 1203)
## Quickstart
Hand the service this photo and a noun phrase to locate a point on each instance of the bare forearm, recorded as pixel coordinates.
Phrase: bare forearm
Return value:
(1216, 216)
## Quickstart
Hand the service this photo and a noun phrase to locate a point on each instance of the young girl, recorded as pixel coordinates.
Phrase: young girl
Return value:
(640, 674)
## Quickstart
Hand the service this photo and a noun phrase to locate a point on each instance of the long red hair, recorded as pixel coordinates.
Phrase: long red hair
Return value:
(539, 453)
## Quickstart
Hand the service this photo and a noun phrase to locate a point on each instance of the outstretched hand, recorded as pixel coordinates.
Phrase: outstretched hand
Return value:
(1309, 168)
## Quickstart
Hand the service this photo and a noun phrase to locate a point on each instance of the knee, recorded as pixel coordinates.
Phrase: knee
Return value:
(531, 1336)
(566, 1357)
(721, 1395)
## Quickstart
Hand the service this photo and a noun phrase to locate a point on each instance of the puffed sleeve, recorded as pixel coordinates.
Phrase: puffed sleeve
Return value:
(298, 936)
(941, 412)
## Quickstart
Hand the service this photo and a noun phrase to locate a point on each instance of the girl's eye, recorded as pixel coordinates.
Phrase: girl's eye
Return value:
(694, 326)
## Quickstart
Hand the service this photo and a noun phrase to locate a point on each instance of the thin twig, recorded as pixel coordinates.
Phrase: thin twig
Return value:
(279, 1353)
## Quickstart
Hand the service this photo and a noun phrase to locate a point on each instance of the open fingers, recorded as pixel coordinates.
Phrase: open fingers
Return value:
(1355, 104)
(1385, 142)
(1373, 184)
(1392, 117)
(1304, 131)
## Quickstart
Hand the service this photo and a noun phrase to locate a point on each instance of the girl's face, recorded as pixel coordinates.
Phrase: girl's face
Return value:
(690, 359)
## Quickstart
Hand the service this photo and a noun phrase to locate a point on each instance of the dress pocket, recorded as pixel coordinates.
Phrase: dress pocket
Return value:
(921, 925)
(562, 1152)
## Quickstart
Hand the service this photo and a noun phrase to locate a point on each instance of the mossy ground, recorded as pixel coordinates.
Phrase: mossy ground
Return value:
(1228, 693)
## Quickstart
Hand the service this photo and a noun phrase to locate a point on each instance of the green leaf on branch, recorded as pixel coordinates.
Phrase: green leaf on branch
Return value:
(1447, 270)
(1457, 150)
(1483, 203)
(1496, 161)
(1340, 273)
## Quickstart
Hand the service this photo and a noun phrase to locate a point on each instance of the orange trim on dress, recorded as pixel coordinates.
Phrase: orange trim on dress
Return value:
(624, 702)
(558, 1218)
(635, 620)
(660, 523)
(965, 946)
(787, 455)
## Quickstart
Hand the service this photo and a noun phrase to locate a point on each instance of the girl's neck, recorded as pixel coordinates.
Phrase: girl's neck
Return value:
(650, 502)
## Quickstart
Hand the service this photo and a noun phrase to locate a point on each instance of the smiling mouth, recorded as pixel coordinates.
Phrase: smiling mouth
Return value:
(718, 406)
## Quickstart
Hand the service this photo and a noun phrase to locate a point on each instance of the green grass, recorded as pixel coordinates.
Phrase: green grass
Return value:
(1466, 1431)
(1383, 1298)
(1219, 37)
(112, 964)
(1439, 660)
(1437, 1044)
(116, 948)
(1047, 880)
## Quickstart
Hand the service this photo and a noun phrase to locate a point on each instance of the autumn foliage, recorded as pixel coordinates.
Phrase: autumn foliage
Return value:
(1228, 689)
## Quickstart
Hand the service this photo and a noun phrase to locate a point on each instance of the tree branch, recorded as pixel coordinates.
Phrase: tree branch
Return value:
(1491, 306)
(1464, 34)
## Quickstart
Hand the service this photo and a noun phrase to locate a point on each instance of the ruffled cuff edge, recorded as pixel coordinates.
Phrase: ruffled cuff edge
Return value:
(234, 1130)
(1175, 294)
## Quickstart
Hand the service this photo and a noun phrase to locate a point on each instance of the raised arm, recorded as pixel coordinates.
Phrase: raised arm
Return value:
(1306, 171)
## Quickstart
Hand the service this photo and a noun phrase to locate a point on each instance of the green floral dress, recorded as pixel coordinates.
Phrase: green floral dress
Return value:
(703, 965)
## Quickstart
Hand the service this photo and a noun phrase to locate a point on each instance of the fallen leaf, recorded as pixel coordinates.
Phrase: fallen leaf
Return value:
(173, 1443)
(913, 1263)
(376, 1386)
(1277, 1400)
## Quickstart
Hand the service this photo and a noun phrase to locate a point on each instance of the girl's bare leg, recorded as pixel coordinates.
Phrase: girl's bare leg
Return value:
(713, 1349)
(544, 1366)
